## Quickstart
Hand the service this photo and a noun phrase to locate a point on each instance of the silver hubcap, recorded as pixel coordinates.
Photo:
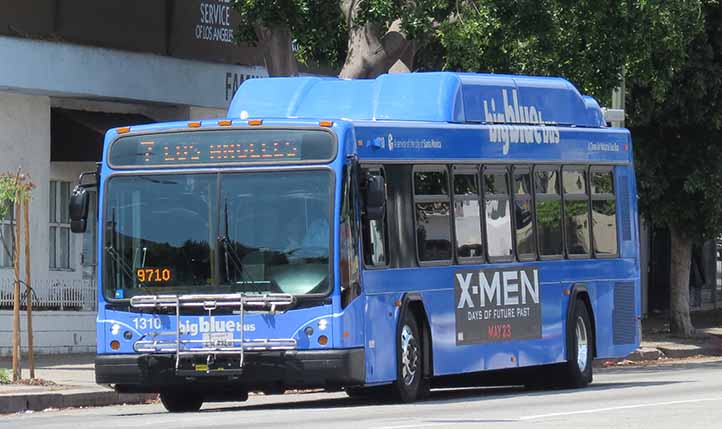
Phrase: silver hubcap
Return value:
(582, 345)
(409, 355)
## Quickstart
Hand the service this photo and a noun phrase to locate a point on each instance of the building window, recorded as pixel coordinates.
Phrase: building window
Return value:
(59, 236)
(467, 217)
(433, 220)
(523, 215)
(576, 210)
(604, 211)
(497, 214)
(548, 209)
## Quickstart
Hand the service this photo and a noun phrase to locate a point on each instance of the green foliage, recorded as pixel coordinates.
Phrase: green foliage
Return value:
(587, 42)
(679, 161)
(4, 376)
(320, 31)
(317, 26)
(13, 188)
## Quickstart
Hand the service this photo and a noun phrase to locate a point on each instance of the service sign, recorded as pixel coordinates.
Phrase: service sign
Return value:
(497, 305)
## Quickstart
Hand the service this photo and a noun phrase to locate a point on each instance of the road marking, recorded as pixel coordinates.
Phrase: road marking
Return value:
(621, 407)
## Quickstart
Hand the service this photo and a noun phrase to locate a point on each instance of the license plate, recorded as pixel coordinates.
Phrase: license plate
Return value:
(218, 339)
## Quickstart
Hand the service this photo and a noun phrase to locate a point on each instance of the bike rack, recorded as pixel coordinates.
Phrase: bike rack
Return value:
(252, 303)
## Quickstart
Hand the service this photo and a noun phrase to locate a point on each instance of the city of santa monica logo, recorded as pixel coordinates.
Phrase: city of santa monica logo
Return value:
(497, 305)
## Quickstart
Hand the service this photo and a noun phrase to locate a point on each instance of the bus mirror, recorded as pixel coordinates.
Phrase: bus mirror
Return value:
(79, 201)
(375, 198)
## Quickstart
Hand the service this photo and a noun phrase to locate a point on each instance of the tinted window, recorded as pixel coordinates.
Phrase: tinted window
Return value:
(522, 183)
(432, 231)
(430, 183)
(546, 182)
(604, 219)
(575, 180)
(576, 210)
(576, 213)
(524, 228)
(432, 213)
(523, 214)
(467, 216)
(466, 184)
(496, 183)
(602, 182)
(498, 227)
(548, 211)
(549, 217)
(604, 211)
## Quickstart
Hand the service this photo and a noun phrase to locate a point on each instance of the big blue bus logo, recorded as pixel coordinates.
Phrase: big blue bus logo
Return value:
(497, 305)
(523, 124)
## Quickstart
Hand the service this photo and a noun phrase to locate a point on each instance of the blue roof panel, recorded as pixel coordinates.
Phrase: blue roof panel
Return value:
(436, 97)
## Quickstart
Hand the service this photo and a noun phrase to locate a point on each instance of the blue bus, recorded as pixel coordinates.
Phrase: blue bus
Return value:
(380, 236)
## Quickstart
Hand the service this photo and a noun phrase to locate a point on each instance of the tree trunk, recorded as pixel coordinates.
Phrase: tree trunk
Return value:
(680, 322)
(275, 43)
(371, 52)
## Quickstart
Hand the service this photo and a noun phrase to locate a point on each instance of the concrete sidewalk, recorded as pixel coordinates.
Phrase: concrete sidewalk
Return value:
(64, 381)
(657, 343)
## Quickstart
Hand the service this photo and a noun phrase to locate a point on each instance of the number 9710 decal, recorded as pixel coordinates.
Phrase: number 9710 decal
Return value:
(153, 275)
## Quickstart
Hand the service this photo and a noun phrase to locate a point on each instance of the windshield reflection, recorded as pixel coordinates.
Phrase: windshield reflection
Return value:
(228, 232)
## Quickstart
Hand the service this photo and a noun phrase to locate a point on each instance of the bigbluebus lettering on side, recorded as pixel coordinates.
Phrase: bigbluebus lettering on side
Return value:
(497, 305)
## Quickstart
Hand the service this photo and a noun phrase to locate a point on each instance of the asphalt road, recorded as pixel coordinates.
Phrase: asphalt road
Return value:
(683, 395)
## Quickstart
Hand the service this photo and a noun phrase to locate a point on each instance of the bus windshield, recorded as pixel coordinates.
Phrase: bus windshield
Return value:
(218, 233)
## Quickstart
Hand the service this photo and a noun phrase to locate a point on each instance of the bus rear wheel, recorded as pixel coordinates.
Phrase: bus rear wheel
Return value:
(181, 402)
(410, 383)
(577, 372)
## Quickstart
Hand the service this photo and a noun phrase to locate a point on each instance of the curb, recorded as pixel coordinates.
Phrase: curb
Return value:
(678, 353)
(41, 401)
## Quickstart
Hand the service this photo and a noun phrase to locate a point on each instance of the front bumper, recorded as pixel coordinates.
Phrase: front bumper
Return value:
(267, 370)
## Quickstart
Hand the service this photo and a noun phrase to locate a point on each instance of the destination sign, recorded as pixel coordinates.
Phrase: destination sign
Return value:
(223, 147)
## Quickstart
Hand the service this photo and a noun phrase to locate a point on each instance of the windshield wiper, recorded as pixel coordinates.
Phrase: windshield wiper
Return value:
(122, 265)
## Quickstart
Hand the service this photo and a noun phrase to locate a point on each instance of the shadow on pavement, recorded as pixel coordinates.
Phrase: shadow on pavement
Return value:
(443, 396)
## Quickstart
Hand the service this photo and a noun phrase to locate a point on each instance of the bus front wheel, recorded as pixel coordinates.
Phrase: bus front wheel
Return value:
(181, 402)
(410, 383)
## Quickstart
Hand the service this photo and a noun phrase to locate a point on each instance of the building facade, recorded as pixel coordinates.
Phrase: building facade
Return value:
(68, 72)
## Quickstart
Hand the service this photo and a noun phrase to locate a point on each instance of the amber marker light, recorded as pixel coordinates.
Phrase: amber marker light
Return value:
(323, 340)
(327, 124)
(123, 130)
(225, 123)
(194, 124)
(115, 344)
(255, 122)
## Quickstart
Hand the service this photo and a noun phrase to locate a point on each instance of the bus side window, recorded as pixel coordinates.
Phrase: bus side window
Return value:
(576, 210)
(467, 217)
(348, 239)
(604, 211)
(523, 213)
(548, 210)
(497, 214)
(433, 220)
(375, 232)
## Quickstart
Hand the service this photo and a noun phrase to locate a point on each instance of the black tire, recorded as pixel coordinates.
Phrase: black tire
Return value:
(410, 383)
(181, 402)
(577, 371)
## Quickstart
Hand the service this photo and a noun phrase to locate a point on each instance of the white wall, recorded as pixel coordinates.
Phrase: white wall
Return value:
(25, 143)
(53, 332)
